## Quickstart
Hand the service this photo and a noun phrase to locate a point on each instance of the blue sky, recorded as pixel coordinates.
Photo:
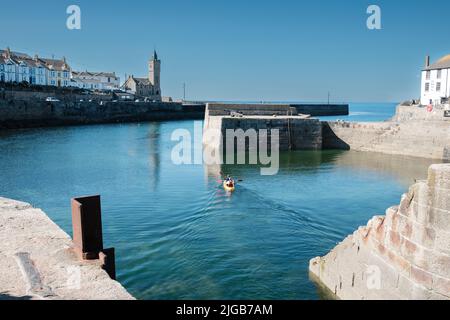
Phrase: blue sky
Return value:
(243, 50)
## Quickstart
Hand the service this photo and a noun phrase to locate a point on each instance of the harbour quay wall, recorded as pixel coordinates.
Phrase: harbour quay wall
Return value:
(414, 113)
(62, 94)
(221, 109)
(413, 131)
(38, 261)
(404, 254)
(296, 132)
(318, 110)
(25, 113)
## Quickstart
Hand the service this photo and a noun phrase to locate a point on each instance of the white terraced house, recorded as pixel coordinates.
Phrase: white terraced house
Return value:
(38, 71)
(58, 72)
(20, 67)
(7, 69)
(10, 71)
(436, 81)
(96, 80)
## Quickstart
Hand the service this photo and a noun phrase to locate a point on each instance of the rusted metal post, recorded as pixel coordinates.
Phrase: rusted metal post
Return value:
(88, 234)
(87, 227)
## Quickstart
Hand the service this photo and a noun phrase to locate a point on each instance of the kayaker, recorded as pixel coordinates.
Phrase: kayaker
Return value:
(229, 182)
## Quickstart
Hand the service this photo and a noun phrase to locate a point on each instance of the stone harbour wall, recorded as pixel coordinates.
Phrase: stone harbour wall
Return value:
(39, 113)
(295, 133)
(263, 109)
(402, 255)
(408, 113)
(417, 138)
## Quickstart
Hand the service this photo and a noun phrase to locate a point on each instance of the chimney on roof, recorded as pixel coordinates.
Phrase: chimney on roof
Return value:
(427, 61)
(8, 53)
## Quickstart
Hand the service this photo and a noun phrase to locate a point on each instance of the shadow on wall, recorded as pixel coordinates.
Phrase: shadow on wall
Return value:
(6, 297)
(330, 140)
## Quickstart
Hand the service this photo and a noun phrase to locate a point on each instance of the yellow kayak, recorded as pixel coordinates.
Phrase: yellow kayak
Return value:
(227, 188)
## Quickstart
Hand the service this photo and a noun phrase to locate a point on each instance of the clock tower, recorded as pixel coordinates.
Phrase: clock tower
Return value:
(154, 74)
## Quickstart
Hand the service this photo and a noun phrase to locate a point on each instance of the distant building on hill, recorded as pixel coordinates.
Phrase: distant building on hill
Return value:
(149, 87)
(96, 80)
(435, 81)
(59, 72)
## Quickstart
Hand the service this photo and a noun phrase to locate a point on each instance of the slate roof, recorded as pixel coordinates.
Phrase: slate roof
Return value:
(94, 74)
(443, 63)
(142, 81)
(55, 64)
(16, 54)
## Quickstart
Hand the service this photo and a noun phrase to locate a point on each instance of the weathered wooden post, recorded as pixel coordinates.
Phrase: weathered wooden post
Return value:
(88, 234)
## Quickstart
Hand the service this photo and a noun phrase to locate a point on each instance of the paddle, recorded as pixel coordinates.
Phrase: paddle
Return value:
(237, 180)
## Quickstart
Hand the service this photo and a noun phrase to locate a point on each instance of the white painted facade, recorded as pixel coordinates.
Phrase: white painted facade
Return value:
(96, 80)
(19, 67)
(7, 70)
(22, 72)
(86, 84)
(38, 74)
(436, 82)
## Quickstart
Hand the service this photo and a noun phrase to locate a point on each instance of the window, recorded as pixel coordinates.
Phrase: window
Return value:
(427, 87)
(439, 74)
(428, 75)
(438, 86)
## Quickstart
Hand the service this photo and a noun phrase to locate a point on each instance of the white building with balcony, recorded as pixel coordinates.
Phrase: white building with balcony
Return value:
(435, 81)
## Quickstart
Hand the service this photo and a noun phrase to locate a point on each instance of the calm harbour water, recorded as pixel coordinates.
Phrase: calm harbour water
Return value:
(177, 234)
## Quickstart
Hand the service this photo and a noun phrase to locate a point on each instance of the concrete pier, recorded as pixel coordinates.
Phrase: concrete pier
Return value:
(37, 260)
